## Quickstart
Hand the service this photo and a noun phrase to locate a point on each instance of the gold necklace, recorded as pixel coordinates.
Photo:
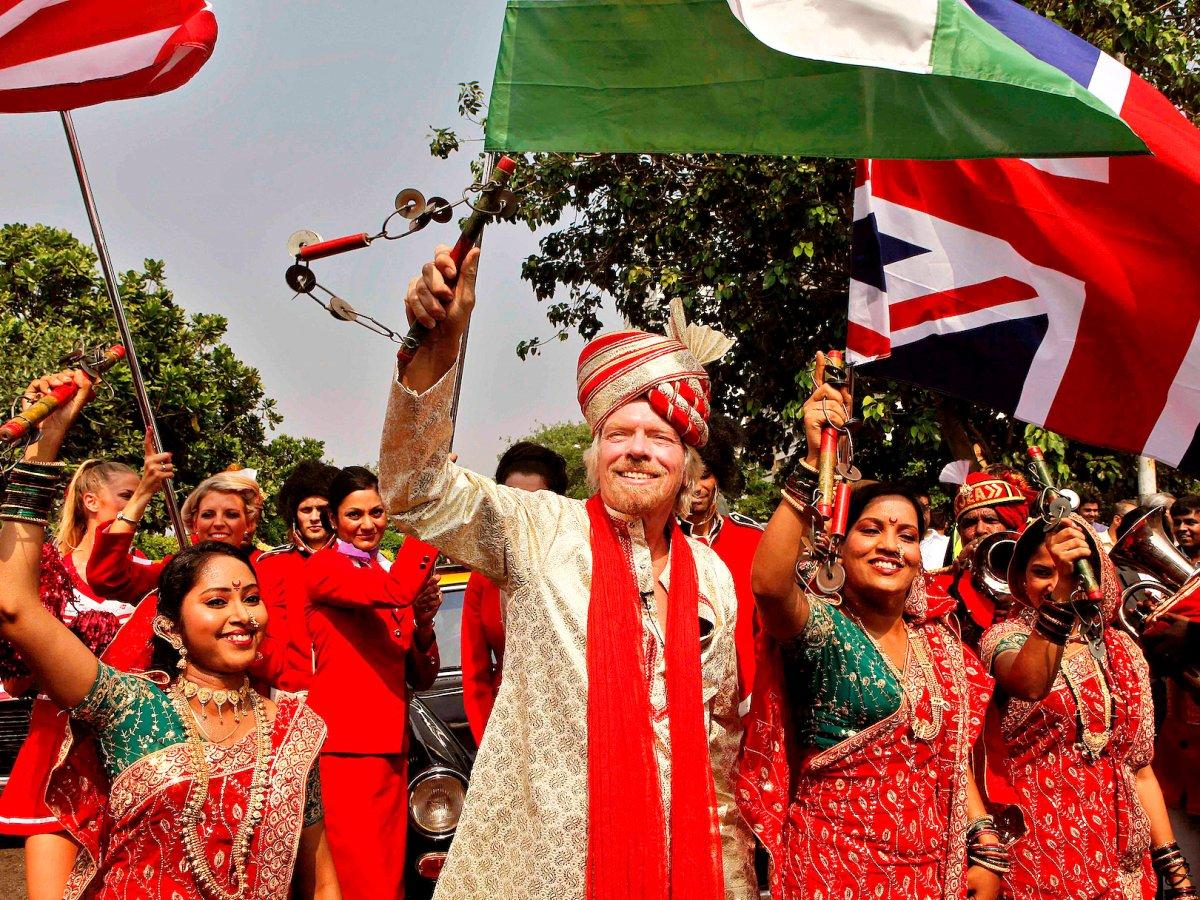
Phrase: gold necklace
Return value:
(193, 810)
(219, 741)
(1092, 743)
(922, 730)
(926, 731)
(234, 699)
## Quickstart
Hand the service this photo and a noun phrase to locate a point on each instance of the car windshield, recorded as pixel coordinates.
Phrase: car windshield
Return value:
(448, 625)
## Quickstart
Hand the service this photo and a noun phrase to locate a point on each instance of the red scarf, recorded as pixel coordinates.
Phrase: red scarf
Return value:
(627, 856)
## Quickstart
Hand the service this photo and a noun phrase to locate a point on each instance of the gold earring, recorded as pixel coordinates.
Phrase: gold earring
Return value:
(162, 627)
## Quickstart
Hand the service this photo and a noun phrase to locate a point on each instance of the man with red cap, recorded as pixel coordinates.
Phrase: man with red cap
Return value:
(987, 503)
(606, 771)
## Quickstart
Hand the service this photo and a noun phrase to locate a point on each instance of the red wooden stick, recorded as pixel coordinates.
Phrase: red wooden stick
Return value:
(334, 246)
(471, 231)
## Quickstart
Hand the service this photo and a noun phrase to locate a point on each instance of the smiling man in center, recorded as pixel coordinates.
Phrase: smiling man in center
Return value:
(607, 767)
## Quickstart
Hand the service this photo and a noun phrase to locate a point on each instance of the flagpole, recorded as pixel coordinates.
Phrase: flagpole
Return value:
(489, 162)
(1147, 478)
(114, 297)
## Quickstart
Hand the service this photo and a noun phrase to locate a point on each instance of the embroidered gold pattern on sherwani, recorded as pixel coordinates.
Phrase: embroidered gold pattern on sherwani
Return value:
(523, 832)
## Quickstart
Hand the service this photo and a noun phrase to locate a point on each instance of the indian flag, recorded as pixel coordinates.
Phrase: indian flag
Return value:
(908, 79)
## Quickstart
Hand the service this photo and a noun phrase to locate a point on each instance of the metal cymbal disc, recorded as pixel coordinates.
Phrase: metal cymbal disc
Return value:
(438, 209)
(301, 238)
(849, 472)
(410, 203)
(830, 578)
(340, 309)
(506, 203)
(1060, 508)
(300, 278)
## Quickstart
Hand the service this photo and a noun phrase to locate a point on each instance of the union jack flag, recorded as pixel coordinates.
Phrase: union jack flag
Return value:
(1065, 292)
(63, 54)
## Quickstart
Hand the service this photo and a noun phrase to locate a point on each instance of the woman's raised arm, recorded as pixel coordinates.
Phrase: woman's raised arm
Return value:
(1029, 673)
(64, 668)
(782, 605)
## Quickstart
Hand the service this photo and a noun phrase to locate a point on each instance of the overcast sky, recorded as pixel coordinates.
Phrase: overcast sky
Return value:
(309, 115)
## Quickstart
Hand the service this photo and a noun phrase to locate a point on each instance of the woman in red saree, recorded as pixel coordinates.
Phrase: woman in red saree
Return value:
(1078, 731)
(854, 772)
(224, 508)
(189, 785)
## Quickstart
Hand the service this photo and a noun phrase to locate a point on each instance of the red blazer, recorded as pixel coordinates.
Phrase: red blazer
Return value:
(361, 622)
(113, 573)
(482, 650)
(281, 577)
(735, 543)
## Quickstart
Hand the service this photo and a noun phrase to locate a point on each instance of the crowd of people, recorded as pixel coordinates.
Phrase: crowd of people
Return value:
(656, 685)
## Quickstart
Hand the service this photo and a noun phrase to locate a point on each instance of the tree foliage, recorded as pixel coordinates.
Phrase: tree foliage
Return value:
(760, 247)
(211, 408)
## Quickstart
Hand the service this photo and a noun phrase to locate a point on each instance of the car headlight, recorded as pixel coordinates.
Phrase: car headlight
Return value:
(435, 802)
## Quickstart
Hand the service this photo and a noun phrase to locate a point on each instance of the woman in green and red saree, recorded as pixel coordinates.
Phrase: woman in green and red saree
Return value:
(855, 770)
(183, 782)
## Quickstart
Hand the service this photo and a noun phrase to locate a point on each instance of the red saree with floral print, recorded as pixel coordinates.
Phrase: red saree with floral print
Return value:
(1072, 759)
(868, 796)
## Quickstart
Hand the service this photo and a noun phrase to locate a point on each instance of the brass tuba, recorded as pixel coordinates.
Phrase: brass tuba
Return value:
(1165, 577)
(1166, 580)
(987, 561)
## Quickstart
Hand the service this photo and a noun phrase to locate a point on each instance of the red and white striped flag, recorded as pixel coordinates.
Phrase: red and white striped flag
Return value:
(63, 54)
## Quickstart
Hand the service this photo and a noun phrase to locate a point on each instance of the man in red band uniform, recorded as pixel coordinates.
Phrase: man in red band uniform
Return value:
(988, 502)
(607, 769)
(530, 467)
(302, 500)
(733, 537)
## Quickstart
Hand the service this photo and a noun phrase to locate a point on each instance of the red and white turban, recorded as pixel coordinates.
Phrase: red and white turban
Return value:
(1006, 491)
(668, 370)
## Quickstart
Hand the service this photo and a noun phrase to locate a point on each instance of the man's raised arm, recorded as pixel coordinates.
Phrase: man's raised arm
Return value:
(465, 515)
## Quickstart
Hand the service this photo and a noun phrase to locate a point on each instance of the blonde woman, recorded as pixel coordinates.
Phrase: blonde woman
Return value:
(98, 491)
(224, 508)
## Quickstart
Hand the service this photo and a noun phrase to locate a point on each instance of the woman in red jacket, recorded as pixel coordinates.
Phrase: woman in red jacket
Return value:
(530, 467)
(224, 508)
(371, 624)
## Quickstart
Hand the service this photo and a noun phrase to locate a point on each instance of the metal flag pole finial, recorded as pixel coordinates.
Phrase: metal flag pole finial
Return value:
(114, 297)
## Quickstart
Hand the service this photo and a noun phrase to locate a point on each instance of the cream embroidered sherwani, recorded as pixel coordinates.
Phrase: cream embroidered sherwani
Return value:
(523, 831)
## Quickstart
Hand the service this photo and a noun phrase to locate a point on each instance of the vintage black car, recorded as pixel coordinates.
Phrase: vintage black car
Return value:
(14, 726)
(441, 751)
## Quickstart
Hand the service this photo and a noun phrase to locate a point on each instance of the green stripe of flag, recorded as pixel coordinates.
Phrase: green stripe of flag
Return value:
(685, 76)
